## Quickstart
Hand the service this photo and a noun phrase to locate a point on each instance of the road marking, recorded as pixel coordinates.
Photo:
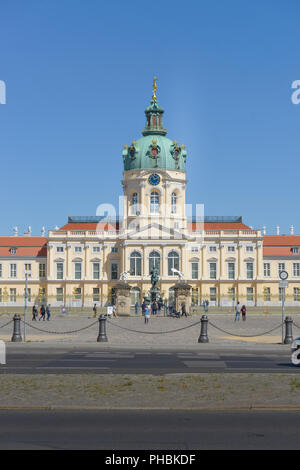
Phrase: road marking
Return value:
(210, 364)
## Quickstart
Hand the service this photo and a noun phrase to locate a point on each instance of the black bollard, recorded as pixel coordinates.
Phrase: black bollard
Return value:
(203, 338)
(16, 337)
(102, 338)
(288, 330)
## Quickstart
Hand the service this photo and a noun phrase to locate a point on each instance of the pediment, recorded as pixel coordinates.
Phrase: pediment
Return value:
(157, 231)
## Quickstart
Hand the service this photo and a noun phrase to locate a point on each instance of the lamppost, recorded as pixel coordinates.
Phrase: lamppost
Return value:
(283, 283)
(26, 272)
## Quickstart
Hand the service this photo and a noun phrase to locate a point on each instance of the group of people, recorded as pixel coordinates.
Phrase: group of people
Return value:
(156, 308)
(240, 309)
(43, 312)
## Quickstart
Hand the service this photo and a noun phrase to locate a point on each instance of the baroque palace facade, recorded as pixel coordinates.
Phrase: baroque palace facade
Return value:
(222, 259)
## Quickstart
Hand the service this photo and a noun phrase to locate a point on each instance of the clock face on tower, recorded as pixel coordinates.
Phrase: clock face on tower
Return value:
(154, 179)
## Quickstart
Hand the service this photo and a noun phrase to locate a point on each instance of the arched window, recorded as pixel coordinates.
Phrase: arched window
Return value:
(173, 262)
(136, 263)
(134, 203)
(154, 261)
(154, 202)
(173, 203)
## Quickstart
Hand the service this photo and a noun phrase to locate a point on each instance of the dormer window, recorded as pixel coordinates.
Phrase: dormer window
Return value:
(295, 250)
(13, 251)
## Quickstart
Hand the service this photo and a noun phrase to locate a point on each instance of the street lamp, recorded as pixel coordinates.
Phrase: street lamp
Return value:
(283, 283)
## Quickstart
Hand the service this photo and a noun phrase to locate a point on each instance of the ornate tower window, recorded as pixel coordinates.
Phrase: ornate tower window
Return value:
(136, 263)
(154, 261)
(134, 203)
(173, 203)
(173, 262)
(154, 202)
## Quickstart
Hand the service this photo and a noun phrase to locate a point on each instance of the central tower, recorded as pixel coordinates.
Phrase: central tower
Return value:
(154, 178)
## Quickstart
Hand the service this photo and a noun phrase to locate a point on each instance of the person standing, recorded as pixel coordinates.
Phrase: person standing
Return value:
(34, 313)
(95, 310)
(183, 310)
(147, 314)
(48, 312)
(237, 312)
(243, 312)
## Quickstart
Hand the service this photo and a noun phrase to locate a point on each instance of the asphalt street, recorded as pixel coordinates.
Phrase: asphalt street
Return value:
(119, 361)
(123, 430)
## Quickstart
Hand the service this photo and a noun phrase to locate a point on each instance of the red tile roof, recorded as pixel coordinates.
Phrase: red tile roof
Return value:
(26, 246)
(218, 226)
(280, 245)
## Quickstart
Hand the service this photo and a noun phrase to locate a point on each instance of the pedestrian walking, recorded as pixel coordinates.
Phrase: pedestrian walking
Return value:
(243, 312)
(143, 308)
(147, 314)
(42, 313)
(114, 311)
(183, 310)
(48, 312)
(63, 310)
(34, 313)
(95, 310)
(237, 312)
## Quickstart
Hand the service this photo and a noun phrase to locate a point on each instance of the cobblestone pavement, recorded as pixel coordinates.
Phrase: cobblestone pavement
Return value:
(222, 329)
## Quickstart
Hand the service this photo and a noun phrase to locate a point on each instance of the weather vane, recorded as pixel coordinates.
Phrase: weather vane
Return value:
(154, 88)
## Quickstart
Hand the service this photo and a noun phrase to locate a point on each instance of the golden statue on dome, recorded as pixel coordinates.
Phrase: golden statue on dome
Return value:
(154, 88)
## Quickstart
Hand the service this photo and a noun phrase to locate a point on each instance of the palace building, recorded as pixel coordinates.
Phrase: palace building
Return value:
(221, 258)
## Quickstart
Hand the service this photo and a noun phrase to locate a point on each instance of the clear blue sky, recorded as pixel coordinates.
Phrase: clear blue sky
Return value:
(79, 76)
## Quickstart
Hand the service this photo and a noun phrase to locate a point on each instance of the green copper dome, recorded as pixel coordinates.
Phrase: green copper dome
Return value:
(154, 150)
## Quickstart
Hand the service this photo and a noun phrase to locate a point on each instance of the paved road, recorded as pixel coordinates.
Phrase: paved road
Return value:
(119, 361)
(173, 430)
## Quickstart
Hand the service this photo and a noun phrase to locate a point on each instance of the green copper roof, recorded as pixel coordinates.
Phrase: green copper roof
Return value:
(154, 150)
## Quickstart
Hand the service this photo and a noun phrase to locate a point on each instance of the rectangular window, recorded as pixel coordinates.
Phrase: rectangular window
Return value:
(96, 271)
(59, 249)
(249, 249)
(212, 249)
(296, 294)
(59, 271)
(195, 249)
(213, 270)
(27, 269)
(213, 294)
(231, 270)
(114, 271)
(28, 294)
(296, 269)
(281, 267)
(59, 294)
(96, 249)
(114, 249)
(13, 270)
(249, 270)
(250, 294)
(78, 249)
(77, 271)
(280, 294)
(231, 249)
(42, 271)
(77, 293)
(13, 295)
(267, 294)
(195, 270)
(267, 269)
(231, 293)
(96, 294)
